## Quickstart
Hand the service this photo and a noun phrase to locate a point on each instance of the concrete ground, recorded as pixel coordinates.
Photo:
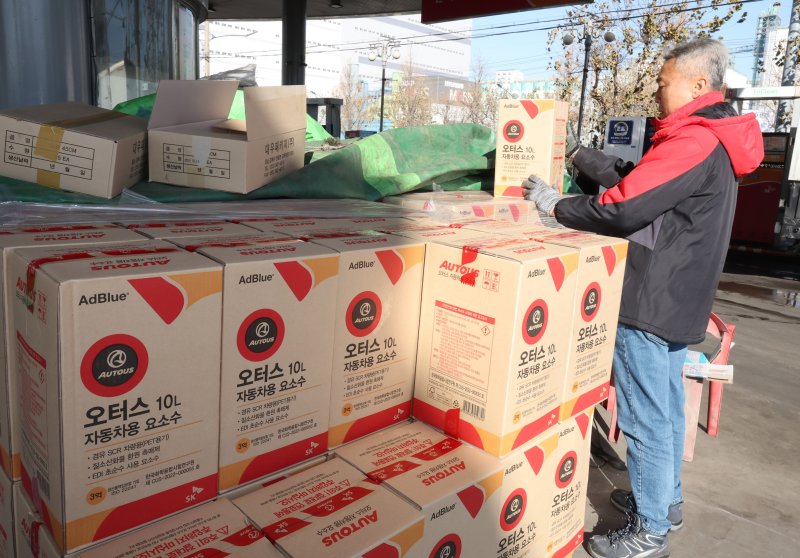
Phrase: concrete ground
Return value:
(742, 490)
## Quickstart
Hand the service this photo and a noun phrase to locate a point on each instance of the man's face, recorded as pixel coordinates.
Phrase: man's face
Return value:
(674, 89)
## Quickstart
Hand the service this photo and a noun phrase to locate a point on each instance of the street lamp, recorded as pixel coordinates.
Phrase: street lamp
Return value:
(588, 36)
(384, 50)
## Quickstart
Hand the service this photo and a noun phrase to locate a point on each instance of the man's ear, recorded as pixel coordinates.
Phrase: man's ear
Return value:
(700, 87)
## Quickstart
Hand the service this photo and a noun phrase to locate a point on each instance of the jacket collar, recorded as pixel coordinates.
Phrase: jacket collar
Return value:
(688, 109)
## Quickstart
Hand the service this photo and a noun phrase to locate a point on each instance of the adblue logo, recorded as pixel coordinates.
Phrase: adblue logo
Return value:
(566, 470)
(448, 547)
(535, 322)
(513, 131)
(260, 335)
(513, 510)
(114, 365)
(363, 314)
(590, 302)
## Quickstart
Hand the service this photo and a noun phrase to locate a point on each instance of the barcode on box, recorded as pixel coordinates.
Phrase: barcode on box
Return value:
(473, 410)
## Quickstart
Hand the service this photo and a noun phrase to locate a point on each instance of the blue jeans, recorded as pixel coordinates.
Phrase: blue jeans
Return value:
(647, 374)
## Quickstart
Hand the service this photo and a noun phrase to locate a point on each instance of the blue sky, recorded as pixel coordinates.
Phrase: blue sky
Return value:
(527, 51)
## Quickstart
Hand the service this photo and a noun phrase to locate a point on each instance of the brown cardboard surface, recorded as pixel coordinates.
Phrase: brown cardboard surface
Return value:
(180, 229)
(452, 483)
(568, 495)
(523, 524)
(333, 509)
(376, 327)
(6, 517)
(494, 339)
(251, 487)
(28, 527)
(191, 147)
(119, 417)
(215, 529)
(598, 291)
(530, 140)
(277, 346)
(10, 440)
(75, 147)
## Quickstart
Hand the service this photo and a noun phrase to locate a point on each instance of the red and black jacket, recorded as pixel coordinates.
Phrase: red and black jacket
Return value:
(676, 209)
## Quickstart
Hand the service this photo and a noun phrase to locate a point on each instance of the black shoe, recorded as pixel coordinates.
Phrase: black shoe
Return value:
(624, 502)
(631, 541)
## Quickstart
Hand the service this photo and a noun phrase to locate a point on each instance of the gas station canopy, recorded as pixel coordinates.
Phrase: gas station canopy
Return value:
(432, 10)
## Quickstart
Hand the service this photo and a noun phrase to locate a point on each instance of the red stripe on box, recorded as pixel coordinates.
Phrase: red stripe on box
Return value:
(390, 471)
(283, 528)
(570, 547)
(376, 421)
(530, 431)
(157, 506)
(591, 398)
(286, 456)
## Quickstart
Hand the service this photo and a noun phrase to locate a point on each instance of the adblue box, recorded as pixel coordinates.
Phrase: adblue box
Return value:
(494, 339)
(120, 414)
(452, 483)
(333, 509)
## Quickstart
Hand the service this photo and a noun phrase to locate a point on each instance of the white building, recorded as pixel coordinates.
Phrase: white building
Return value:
(435, 50)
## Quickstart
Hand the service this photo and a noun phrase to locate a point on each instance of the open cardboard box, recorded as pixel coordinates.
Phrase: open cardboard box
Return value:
(195, 144)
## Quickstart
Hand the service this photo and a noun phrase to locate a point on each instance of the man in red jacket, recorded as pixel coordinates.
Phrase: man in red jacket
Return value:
(676, 208)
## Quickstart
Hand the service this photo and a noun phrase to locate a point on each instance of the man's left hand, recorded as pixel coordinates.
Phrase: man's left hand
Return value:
(542, 194)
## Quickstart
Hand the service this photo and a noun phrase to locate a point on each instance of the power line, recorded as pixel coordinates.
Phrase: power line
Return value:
(365, 44)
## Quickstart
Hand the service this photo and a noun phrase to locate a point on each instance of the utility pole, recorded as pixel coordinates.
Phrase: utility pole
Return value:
(388, 48)
(791, 60)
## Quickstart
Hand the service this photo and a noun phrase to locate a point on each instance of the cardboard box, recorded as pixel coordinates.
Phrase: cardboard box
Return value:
(30, 533)
(333, 509)
(214, 529)
(530, 140)
(252, 240)
(7, 548)
(330, 224)
(531, 230)
(494, 339)
(524, 503)
(450, 482)
(192, 142)
(10, 438)
(376, 328)
(182, 229)
(251, 487)
(441, 234)
(277, 348)
(74, 147)
(598, 291)
(568, 496)
(119, 417)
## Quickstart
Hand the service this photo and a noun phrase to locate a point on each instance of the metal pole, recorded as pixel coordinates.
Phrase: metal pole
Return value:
(587, 43)
(294, 42)
(791, 60)
(383, 87)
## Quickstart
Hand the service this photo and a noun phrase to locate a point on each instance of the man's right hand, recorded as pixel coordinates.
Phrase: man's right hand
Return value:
(542, 194)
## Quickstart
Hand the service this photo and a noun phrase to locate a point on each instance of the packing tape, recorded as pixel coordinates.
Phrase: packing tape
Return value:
(51, 135)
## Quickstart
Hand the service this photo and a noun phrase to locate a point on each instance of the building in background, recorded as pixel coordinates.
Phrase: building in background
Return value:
(442, 51)
(770, 48)
(768, 21)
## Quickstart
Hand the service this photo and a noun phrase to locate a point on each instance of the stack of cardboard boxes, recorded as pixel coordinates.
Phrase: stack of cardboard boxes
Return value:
(264, 372)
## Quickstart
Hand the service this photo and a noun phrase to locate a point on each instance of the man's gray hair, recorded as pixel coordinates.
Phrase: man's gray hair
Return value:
(701, 57)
